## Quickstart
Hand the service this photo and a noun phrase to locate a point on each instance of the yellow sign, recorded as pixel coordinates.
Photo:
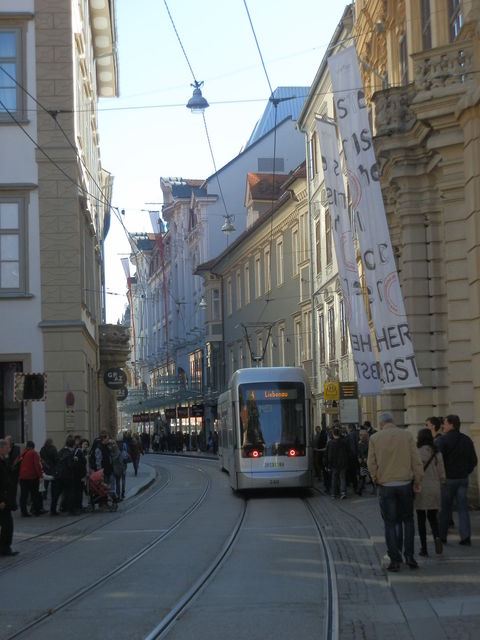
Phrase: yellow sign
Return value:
(331, 390)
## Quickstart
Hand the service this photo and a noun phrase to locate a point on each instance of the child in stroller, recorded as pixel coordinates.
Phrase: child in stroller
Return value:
(100, 493)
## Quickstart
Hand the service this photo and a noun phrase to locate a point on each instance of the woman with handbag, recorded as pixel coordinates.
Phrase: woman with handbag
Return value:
(427, 501)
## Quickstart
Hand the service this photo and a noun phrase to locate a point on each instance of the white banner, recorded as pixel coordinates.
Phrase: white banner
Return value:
(395, 348)
(364, 357)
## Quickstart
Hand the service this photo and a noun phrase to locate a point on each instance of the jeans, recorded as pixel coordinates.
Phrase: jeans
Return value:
(455, 488)
(396, 507)
(339, 476)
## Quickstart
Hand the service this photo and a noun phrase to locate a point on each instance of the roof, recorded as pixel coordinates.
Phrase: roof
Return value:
(262, 185)
(143, 241)
(290, 104)
(183, 188)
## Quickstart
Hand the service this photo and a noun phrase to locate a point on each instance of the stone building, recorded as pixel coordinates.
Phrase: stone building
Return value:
(420, 65)
(58, 58)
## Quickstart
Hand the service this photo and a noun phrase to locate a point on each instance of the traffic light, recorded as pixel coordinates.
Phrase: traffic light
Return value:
(34, 386)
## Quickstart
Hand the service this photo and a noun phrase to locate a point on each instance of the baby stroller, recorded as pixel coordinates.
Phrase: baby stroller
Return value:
(99, 493)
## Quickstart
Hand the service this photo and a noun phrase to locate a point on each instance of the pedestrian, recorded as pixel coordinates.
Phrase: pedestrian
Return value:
(6, 504)
(48, 458)
(134, 451)
(435, 425)
(30, 475)
(14, 460)
(100, 456)
(460, 460)
(352, 469)
(395, 466)
(319, 447)
(427, 501)
(79, 472)
(338, 456)
(63, 479)
(362, 452)
(117, 468)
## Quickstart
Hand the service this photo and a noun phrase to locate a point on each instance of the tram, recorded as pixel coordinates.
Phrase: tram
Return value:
(265, 429)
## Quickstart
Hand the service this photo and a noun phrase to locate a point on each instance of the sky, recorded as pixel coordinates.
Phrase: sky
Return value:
(147, 132)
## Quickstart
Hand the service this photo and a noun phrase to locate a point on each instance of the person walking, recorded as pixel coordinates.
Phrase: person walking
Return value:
(435, 425)
(319, 447)
(30, 475)
(460, 460)
(63, 479)
(427, 501)
(6, 504)
(395, 466)
(338, 454)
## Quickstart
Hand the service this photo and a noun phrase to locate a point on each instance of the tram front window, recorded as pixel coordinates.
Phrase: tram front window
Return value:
(272, 419)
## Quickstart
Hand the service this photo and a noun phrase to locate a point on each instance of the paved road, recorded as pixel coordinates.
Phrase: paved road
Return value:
(439, 601)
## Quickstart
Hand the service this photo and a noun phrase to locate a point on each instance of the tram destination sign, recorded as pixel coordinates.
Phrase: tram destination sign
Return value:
(115, 378)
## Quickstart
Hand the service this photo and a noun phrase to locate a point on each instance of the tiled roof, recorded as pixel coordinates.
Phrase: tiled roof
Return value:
(262, 185)
(290, 105)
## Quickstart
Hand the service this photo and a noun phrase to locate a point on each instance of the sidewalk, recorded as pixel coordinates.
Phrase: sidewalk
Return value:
(24, 528)
(440, 600)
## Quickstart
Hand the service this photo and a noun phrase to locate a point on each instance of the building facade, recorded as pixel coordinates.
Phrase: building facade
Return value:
(56, 59)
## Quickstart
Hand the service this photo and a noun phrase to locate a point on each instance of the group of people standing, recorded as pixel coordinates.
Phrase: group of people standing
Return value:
(425, 476)
(340, 458)
(61, 475)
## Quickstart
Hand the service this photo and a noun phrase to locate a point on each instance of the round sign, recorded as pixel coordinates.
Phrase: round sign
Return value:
(122, 393)
(115, 378)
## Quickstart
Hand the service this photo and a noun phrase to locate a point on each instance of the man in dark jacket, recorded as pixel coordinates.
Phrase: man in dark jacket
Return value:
(460, 460)
(6, 520)
(338, 454)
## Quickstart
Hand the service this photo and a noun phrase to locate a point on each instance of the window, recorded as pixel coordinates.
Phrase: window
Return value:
(321, 338)
(239, 290)
(312, 156)
(426, 25)
(455, 18)
(403, 61)
(279, 258)
(331, 334)
(318, 253)
(307, 334)
(216, 304)
(229, 297)
(343, 330)
(259, 354)
(12, 245)
(297, 330)
(328, 238)
(303, 229)
(11, 72)
(295, 251)
(247, 283)
(281, 345)
(258, 277)
(268, 271)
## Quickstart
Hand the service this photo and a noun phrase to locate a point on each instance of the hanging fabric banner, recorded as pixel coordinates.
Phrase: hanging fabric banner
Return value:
(395, 348)
(356, 314)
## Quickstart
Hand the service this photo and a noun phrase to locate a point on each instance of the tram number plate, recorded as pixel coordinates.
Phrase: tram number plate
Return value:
(274, 481)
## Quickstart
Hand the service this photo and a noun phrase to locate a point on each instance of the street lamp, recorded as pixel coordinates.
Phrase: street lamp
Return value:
(228, 225)
(197, 103)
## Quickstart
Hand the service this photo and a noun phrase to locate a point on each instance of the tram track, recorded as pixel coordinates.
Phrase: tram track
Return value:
(128, 562)
(87, 517)
(331, 617)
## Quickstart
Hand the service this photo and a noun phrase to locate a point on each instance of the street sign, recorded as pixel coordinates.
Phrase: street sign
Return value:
(348, 390)
(331, 390)
(115, 378)
(122, 393)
